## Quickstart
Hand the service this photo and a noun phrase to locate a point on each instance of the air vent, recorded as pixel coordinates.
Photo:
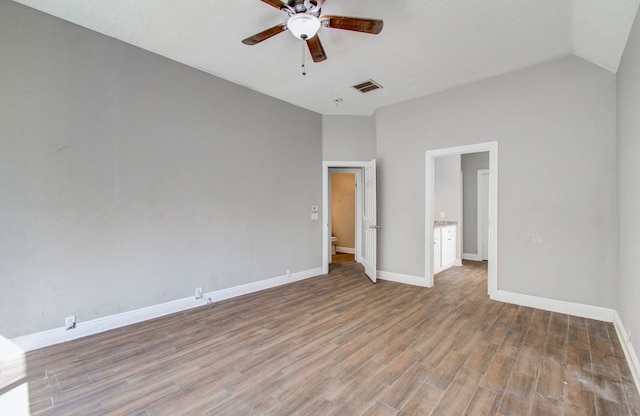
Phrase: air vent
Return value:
(367, 86)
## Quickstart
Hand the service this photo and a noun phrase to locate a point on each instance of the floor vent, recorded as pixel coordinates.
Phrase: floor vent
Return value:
(367, 86)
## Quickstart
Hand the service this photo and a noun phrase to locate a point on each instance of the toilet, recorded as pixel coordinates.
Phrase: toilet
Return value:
(334, 241)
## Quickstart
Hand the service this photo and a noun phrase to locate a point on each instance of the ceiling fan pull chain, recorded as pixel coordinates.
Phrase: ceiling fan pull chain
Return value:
(304, 69)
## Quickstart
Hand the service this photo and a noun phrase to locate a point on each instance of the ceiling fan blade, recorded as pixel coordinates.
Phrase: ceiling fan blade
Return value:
(275, 3)
(356, 24)
(316, 49)
(265, 34)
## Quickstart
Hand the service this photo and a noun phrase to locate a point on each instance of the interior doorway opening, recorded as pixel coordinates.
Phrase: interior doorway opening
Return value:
(365, 250)
(431, 215)
(345, 213)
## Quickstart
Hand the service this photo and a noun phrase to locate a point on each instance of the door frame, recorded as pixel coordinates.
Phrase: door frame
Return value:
(326, 211)
(480, 217)
(430, 155)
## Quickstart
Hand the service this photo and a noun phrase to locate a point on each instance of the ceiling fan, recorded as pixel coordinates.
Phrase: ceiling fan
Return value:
(305, 21)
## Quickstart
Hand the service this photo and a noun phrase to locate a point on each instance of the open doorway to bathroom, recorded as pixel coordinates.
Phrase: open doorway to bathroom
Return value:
(465, 227)
(343, 216)
(366, 226)
(460, 228)
(345, 209)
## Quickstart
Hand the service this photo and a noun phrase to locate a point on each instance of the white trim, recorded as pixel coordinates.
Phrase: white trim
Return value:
(559, 306)
(472, 257)
(402, 278)
(584, 311)
(348, 250)
(59, 335)
(245, 289)
(492, 148)
(479, 219)
(629, 352)
(460, 225)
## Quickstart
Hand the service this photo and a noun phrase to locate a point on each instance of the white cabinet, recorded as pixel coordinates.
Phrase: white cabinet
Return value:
(437, 250)
(448, 238)
(444, 247)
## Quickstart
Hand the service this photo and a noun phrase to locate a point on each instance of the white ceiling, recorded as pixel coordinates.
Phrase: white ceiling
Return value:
(425, 46)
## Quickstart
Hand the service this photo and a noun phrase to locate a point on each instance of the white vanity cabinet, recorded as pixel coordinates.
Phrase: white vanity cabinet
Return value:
(448, 239)
(437, 250)
(444, 247)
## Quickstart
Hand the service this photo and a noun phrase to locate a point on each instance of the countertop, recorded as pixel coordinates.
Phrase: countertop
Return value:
(444, 223)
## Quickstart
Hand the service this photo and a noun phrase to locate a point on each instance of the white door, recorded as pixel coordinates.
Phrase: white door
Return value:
(369, 221)
(483, 214)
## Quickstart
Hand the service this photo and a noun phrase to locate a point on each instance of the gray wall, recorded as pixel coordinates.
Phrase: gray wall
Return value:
(556, 128)
(471, 164)
(127, 180)
(348, 138)
(446, 189)
(628, 304)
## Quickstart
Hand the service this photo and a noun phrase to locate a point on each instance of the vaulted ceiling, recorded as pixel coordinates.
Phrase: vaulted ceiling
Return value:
(425, 46)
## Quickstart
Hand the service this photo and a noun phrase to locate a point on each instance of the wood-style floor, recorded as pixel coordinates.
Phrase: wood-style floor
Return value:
(339, 345)
(342, 258)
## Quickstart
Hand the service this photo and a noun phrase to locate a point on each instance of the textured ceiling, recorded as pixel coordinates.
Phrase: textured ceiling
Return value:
(426, 45)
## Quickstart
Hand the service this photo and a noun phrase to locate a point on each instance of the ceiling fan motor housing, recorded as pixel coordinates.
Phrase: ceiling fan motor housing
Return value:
(305, 6)
(303, 25)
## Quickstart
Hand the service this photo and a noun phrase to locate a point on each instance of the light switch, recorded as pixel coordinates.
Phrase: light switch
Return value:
(314, 216)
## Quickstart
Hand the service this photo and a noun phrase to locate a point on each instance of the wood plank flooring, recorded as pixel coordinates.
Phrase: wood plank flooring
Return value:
(339, 345)
(342, 258)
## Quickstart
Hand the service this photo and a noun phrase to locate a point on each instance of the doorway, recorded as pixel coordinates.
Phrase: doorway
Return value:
(475, 205)
(492, 232)
(366, 225)
(345, 214)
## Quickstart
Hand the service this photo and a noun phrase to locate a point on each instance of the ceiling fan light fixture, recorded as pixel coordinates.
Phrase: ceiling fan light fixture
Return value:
(303, 25)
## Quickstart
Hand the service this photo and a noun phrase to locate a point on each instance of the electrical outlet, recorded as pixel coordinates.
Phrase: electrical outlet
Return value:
(628, 335)
(288, 273)
(198, 293)
(70, 322)
(442, 214)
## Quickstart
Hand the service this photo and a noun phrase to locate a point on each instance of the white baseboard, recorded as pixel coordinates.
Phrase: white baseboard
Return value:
(402, 278)
(569, 308)
(583, 311)
(235, 291)
(629, 352)
(59, 335)
(472, 257)
(43, 339)
(348, 250)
